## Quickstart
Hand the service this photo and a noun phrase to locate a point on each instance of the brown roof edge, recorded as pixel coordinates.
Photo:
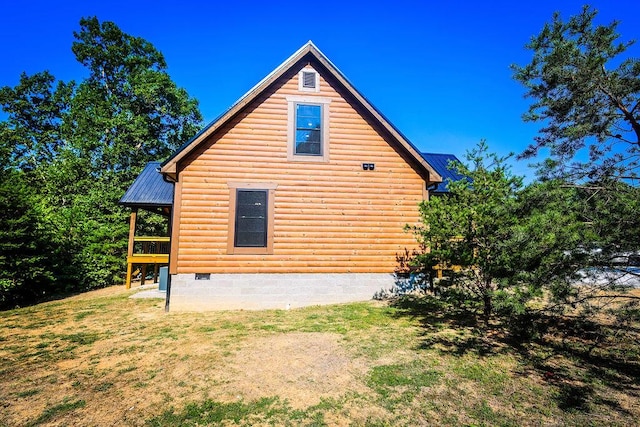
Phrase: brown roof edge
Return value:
(406, 144)
(169, 167)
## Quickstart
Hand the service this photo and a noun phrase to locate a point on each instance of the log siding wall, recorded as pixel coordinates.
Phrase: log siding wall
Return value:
(330, 217)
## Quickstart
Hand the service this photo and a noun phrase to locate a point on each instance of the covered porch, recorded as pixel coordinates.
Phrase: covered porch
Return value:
(149, 192)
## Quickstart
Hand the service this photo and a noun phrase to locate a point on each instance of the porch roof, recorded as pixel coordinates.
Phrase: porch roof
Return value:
(149, 190)
(440, 162)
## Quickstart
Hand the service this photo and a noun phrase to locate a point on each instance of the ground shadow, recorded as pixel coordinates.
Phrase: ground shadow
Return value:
(576, 356)
(438, 315)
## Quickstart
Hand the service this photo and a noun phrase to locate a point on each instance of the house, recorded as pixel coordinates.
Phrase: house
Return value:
(299, 194)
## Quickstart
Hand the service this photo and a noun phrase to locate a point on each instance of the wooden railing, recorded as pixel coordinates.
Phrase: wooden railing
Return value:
(144, 250)
(145, 246)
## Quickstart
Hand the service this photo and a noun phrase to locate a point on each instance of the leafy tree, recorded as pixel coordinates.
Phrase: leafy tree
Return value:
(587, 94)
(128, 111)
(469, 230)
(586, 91)
(24, 270)
(32, 133)
(77, 146)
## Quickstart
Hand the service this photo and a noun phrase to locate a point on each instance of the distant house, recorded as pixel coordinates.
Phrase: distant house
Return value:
(297, 195)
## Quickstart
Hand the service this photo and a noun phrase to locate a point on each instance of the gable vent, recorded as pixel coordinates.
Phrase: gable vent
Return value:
(309, 79)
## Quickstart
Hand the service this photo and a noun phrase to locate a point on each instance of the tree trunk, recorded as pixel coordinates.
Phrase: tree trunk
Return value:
(488, 307)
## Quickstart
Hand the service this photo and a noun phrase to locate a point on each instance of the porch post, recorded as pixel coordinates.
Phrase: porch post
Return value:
(132, 232)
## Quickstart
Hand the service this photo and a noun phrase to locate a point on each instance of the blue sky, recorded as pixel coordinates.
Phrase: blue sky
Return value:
(438, 70)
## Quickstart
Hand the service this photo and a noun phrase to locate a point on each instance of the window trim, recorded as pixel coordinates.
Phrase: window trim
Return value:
(323, 102)
(301, 86)
(270, 188)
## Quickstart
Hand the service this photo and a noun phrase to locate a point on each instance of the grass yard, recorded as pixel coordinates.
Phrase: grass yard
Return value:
(104, 359)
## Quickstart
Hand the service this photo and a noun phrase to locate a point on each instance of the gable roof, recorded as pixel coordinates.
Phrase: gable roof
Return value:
(440, 162)
(169, 166)
(149, 190)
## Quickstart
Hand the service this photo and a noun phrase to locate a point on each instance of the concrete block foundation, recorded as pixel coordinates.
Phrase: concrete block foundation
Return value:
(272, 291)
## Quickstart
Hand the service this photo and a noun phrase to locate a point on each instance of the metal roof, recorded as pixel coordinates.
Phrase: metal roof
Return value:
(440, 162)
(149, 189)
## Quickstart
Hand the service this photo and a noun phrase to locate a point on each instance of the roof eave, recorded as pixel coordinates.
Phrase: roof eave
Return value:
(169, 166)
(433, 176)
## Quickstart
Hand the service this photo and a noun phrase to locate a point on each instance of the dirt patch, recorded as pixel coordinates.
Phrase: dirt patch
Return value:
(302, 368)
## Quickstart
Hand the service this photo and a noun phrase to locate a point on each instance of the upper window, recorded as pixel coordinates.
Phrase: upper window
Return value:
(308, 130)
(308, 135)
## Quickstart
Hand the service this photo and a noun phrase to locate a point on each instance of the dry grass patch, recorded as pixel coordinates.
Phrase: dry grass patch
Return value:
(104, 359)
(301, 368)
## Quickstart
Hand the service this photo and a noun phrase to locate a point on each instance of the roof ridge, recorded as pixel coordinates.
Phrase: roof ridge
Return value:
(169, 166)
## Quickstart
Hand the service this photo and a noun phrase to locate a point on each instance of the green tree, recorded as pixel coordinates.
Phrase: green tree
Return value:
(587, 95)
(25, 272)
(502, 244)
(128, 111)
(469, 230)
(573, 242)
(612, 210)
(36, 107)
(586, 91)
(551, 240)
(79, 145)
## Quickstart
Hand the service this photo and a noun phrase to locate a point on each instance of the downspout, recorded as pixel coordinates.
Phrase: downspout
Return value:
(168, 293)
(431, 187)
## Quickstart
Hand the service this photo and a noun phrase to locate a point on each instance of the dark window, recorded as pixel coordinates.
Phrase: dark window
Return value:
(308, 129)
(251, 219)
